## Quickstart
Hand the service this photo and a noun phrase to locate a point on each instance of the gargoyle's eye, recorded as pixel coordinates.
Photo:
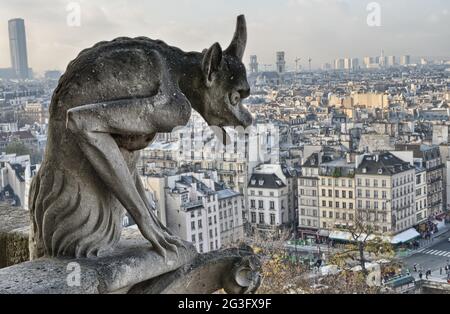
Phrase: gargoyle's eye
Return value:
(235, 98)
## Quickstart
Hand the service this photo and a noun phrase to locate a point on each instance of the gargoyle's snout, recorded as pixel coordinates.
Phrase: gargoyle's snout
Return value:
(245, 117)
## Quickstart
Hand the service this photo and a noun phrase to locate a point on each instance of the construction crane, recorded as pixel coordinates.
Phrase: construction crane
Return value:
(297, 60)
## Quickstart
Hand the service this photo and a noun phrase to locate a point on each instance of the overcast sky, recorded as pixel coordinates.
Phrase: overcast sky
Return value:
(320, 29)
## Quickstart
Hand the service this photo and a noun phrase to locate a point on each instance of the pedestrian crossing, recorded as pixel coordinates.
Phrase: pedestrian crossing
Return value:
(434, 252)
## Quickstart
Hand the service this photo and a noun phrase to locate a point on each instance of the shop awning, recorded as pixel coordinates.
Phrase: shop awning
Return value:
(347, 236)
(324, 233)
(341, 235)
(405, 236)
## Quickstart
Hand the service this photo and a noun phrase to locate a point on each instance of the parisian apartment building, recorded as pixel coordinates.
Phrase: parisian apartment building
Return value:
(197, 208)
(272, 191)
(385, 191)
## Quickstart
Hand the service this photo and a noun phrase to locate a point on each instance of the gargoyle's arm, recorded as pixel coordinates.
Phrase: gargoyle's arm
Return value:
(93, 126)
(141, 191)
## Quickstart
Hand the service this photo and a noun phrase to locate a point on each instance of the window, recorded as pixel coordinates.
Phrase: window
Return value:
(330, 193)
(200, 248)
(200, 236)
(324, 192)
(209, 221)
(272, 219)
(330, 214)
(261, 204)
(324, 203)
(261, 218)
(253, 217)
(272, 205)
(367, 182)
(330, 204)
(350, 205)
(344, 216)
(336, 193)
(200, 224)
(252, 203)
(193, 238)
(324, 214)
(350, 216)
(337, 215)
(193, 225)
(344, 194)
(337, 204)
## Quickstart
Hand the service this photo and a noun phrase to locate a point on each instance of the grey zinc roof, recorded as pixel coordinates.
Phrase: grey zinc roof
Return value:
(269, 181)
(387, 162)
(227, 193)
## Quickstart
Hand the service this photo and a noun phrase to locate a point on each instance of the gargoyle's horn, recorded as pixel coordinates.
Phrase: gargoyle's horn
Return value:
(237, 46)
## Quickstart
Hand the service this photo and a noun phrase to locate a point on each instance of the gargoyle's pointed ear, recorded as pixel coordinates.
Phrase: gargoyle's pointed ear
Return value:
(211, 61)
(239, 42)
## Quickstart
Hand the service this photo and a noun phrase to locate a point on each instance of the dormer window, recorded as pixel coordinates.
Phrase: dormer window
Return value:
(261, 182)
(253, 182)
(364, 170)
(380, 171)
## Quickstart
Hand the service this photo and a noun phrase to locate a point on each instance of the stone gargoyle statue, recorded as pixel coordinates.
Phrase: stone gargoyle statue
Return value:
(109, 104)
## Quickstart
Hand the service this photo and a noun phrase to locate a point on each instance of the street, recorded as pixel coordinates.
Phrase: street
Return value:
(432, 257)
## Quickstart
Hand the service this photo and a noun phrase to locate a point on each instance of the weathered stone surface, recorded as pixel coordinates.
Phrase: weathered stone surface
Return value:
(237, 271)
(14, 233)
(126, 266)
(109, 104)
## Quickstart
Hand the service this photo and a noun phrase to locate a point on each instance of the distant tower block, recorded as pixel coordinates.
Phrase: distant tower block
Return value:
(253, 64)
(281, 63)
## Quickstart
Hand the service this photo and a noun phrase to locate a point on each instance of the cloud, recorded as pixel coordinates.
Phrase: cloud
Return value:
(321, 29)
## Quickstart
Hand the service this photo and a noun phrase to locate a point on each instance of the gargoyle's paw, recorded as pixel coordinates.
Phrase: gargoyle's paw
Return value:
(176, 241)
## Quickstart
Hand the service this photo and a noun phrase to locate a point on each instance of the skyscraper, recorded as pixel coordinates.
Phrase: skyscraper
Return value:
(18, 48)
(253, 64)
(281, 63)
(405, 60)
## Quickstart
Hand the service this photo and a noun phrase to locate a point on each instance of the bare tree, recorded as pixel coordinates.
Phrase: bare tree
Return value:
(364, 241)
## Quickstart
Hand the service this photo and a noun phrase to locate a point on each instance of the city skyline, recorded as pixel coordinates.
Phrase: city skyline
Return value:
(411, 28)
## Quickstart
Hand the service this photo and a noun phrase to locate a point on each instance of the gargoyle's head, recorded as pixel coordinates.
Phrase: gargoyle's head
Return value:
(225, 81)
